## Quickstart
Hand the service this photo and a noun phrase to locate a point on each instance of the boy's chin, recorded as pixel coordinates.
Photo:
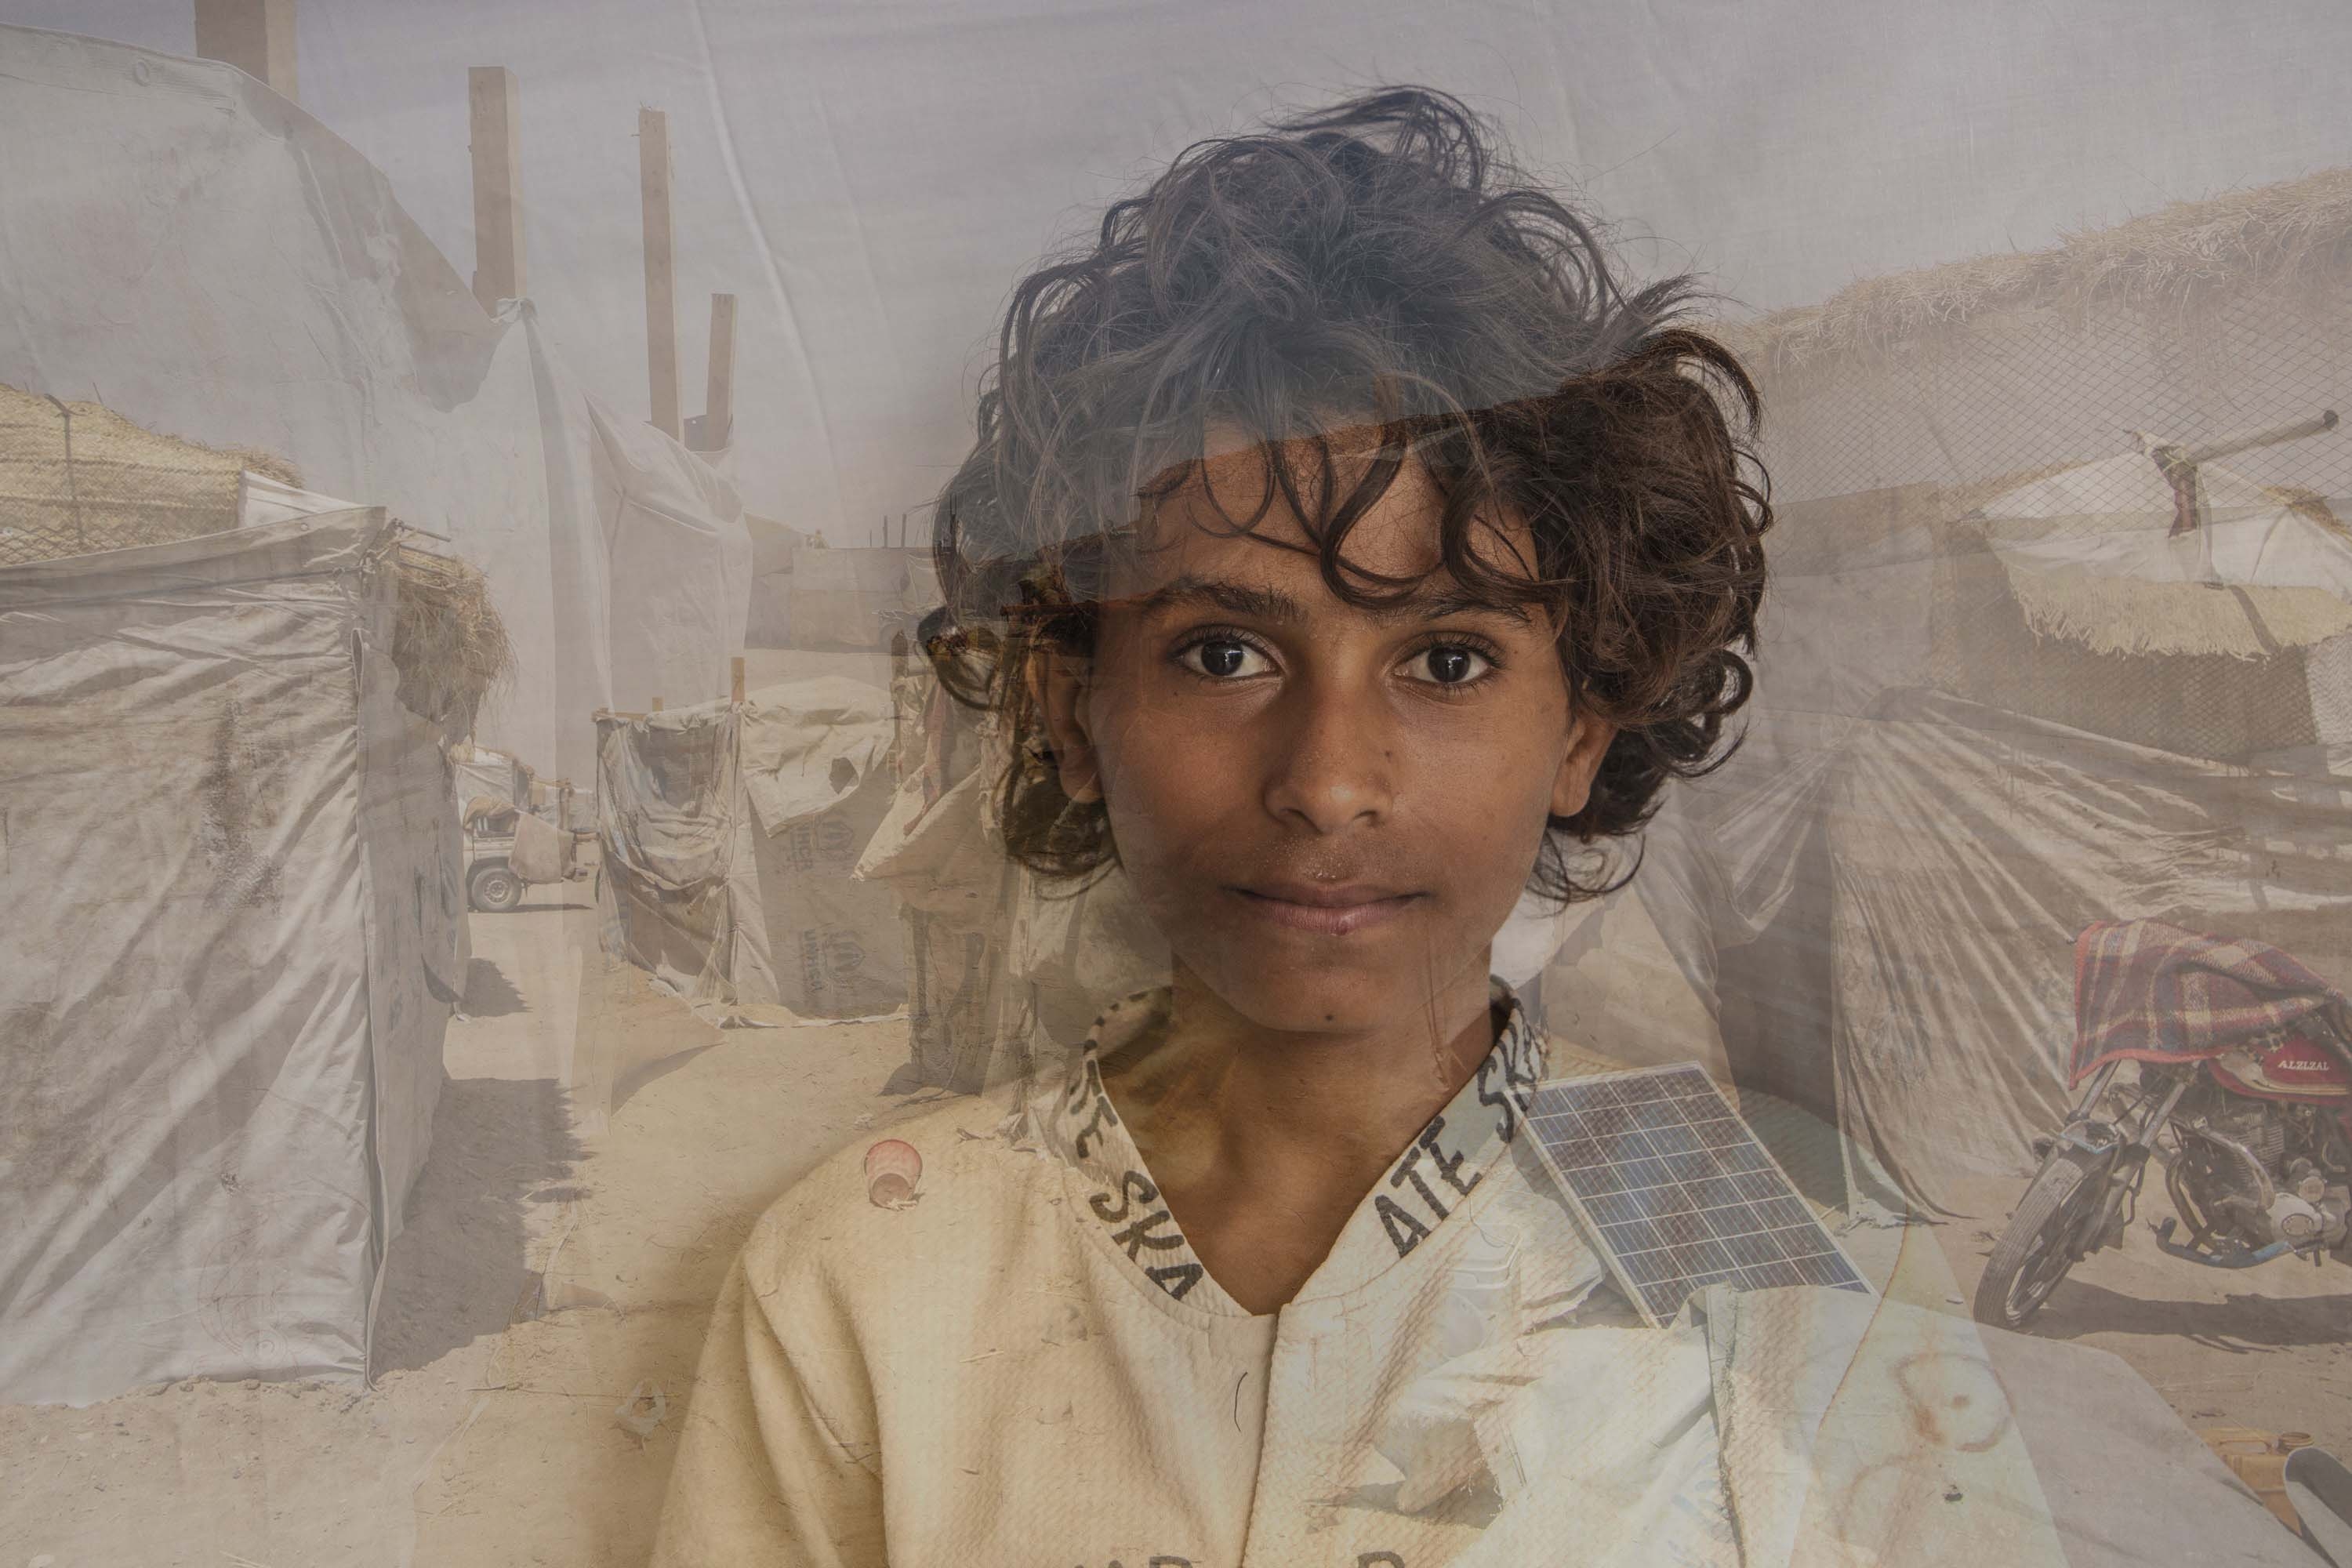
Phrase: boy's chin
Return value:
(1288, 1008)
(1339, 999)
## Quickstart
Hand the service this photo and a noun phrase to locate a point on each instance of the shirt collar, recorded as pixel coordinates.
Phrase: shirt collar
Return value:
(1425, 1186)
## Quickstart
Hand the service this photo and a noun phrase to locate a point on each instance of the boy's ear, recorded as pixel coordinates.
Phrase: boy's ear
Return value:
(1588, 741)
(1057, 685)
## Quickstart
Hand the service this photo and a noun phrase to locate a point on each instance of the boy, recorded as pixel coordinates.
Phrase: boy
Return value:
(1344, 549)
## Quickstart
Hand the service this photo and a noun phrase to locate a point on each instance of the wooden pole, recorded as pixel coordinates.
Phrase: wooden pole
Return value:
(735, 681)
(2247, 440)
(495, 106)
(255, 35)
(661, 280)
(719, 389)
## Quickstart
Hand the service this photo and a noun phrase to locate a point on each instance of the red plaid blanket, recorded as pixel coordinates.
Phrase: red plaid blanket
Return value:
(2147, 991)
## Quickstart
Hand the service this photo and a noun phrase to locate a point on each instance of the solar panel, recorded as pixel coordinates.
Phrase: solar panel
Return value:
(1676, 1191)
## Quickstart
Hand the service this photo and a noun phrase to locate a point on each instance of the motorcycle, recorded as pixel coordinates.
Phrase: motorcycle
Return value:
(2240, 1089)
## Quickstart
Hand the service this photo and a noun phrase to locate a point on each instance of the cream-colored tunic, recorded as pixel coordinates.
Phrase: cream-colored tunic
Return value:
(1030, 1368)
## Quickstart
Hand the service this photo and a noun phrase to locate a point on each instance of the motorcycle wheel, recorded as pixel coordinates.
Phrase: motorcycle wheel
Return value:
(2041, 1243)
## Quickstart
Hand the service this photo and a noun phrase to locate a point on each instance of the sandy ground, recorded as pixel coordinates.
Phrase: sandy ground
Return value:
(2269, 1347)
(599, 1154)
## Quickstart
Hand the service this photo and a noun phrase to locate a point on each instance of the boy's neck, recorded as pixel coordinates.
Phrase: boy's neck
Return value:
(1238, 1122)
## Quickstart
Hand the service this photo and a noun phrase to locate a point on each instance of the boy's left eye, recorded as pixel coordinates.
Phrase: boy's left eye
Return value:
(1224, 659)
(1449, 664)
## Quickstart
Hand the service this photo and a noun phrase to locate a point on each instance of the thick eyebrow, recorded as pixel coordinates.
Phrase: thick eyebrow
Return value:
(1188, 590)
(1437, 607)
(1270, 604)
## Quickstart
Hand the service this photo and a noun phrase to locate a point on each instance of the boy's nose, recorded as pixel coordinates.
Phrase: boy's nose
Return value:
(1331, 762)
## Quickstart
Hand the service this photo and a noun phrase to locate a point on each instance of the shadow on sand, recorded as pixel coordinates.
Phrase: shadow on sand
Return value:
(2243, 1323)
(489, 993)
(460, 1268)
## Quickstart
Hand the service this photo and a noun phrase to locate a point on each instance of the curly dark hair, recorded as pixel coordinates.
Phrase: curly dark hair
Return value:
(1380, 267)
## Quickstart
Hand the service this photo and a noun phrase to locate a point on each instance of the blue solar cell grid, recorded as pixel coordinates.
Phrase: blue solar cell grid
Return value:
(1676, 1191)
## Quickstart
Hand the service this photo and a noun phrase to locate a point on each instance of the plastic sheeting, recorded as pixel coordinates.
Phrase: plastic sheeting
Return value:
(296, 308)
(236, 931)
(729, 834)
(1918, 887)
(680, 563)
(1877, 899)
(290, 306)
(1004, 969)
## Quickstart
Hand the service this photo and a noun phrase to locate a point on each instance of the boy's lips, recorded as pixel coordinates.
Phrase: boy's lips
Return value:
(1329, 909)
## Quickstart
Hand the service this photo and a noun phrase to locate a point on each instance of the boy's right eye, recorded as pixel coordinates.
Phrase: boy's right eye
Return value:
(1223, 659)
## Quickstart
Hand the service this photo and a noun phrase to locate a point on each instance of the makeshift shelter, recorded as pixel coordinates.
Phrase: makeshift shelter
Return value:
(236, 933)
(2023, 667)
(1004, 968)
(209, 259)
(2182, 617)
(729, 831)
(680, 562)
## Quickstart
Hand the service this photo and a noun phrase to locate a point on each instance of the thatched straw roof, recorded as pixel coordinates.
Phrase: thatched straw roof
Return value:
(125, 486)
(2108, 613)
(447, 642)
(2175, 260)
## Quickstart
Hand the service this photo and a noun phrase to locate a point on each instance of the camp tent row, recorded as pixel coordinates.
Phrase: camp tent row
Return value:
(204, 257)
(230, 826)
(825, 849)
(728, 833)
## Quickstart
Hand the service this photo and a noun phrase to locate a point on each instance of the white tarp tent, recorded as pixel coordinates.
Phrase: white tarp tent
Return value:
(236, 933)
(729, 831)
(192, 250)
(679, 558)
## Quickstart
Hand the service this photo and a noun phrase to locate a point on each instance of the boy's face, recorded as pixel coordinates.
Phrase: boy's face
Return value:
(1329, 812)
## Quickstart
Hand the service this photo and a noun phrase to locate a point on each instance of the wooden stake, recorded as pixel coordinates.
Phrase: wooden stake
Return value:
(492, 101)
(255, 35)
(735, 681)
(719, 391)
(657, 708)
(661, 280)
